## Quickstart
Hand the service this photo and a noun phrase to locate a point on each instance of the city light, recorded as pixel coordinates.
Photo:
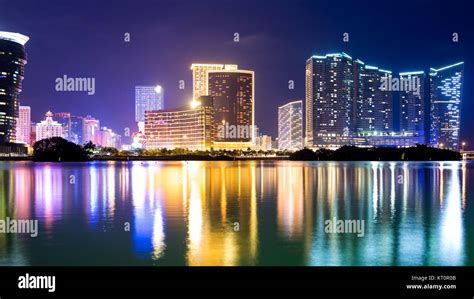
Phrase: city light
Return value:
(195, 104)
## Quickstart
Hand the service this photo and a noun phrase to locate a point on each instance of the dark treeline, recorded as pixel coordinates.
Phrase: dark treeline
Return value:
(352, 153)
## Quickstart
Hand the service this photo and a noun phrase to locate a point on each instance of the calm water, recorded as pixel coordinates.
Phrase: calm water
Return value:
(238, 213)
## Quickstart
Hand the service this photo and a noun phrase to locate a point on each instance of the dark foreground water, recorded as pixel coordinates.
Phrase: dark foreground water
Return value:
(238, 213)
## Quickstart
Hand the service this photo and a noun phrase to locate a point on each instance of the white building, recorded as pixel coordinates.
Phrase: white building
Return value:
(23, 125)
(290, 126)
(48, 128)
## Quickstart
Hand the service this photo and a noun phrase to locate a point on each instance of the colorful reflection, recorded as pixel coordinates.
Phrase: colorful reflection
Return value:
(238, 213)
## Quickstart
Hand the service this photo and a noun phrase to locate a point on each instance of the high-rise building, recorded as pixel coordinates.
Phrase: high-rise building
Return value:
(76, 129)
(48, 128)
(200, 77)
(290, 126)
(373, 111)
(445, 105)
(91, 130)
(12, 63)
(412, 103)
(109, 138)
(147, 98)
(64, 118)
(186, 127)
(23, 125)
(233, 93)
(329, 99)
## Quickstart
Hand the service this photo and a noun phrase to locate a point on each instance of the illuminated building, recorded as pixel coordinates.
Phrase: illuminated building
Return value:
(12, 64)
(189, 127)
(48, 128)
(200, 77)
(77, 126)
(64, 118)
(109, 138)
(91, 130)
(290, 126)
(329, 99)
(373, 110)
(23, 125)
(412, 105)
(233, 92)
(263, 142)
(147, 98)
(445, 105)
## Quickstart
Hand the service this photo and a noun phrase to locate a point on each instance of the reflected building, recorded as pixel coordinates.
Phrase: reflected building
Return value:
(445, 105)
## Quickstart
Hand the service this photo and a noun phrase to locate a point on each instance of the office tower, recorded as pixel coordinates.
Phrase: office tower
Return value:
(412, 103)
(48, 128)
(76, 128)
(23, 125)
(329, 99)
(12, 64)
(373, 112)
(147, 98)
(91, 130)
(190, 127)
(200, 78)
(64, 118)
(233, 95)
(445, 105)
(290, 126)
(109, 138)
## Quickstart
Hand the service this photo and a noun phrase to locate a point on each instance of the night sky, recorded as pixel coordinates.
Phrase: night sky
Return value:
(86, 39)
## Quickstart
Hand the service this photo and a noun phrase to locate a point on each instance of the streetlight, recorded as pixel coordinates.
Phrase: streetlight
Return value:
(441, 145)
(463, 145)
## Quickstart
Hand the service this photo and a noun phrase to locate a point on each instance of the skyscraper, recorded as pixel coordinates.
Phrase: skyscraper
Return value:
(12, 63)
(147, 98)
(412, 104)
(445, 105)
(373, 112)
(91, 130)
(48, 128)
(329, 99)
(200, 78)
(234, 99)
(23, 125)
(76, 129)
(64, 118)
(290, 126)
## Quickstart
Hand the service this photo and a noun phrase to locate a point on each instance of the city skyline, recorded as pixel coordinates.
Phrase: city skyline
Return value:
(275, 52)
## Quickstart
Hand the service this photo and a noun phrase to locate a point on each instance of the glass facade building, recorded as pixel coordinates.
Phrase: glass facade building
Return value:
(12, 64)
(290, 126)
(147, 98)
(445, 105)
(412, 104)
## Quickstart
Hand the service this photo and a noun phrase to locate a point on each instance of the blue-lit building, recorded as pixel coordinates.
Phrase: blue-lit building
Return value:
(445, 105)
(76, 128)
(329, 100)
(147, 98)
(412, 103)
(373, 109)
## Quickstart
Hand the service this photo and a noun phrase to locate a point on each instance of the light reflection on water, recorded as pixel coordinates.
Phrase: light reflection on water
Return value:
(238, 213)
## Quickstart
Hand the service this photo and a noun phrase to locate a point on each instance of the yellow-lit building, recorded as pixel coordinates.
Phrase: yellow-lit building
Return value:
(200, 78)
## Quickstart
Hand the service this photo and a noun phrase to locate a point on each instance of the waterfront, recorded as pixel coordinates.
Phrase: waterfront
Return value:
(238, 213)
